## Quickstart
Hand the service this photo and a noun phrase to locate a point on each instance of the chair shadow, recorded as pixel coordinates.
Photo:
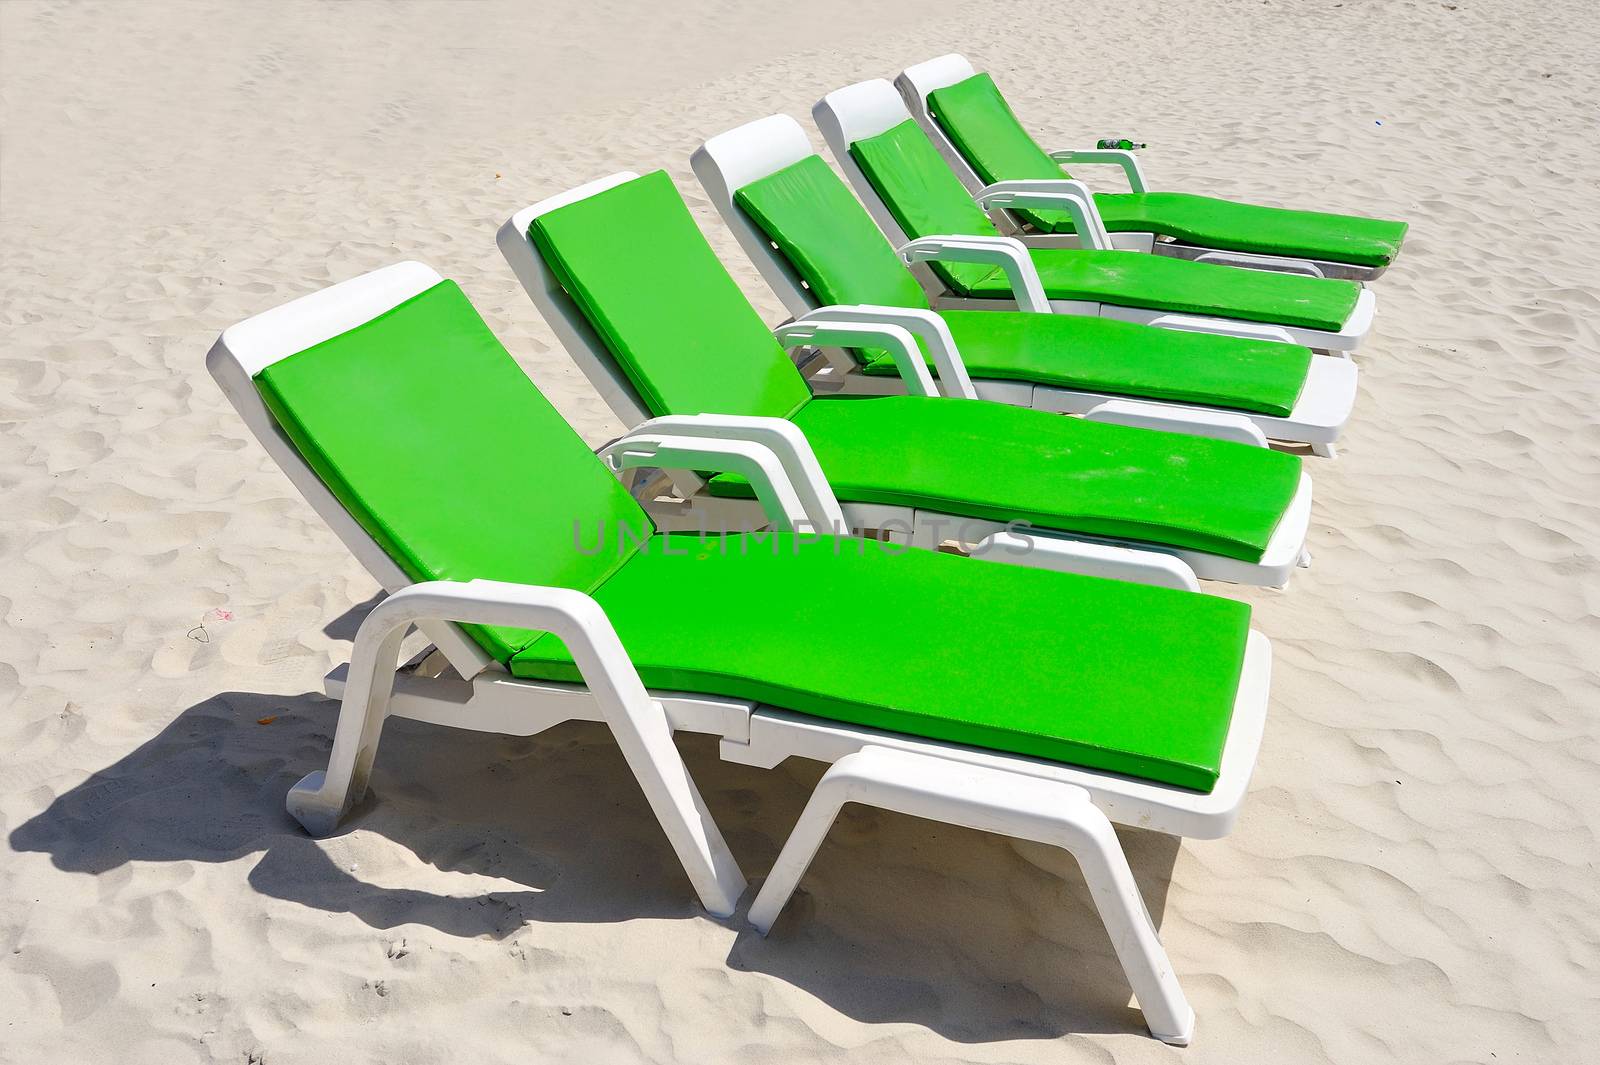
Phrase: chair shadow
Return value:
(878, 931)
(558, 814)
(345, 625)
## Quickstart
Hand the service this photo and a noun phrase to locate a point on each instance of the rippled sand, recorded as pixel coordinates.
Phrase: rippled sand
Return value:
(1414, 875)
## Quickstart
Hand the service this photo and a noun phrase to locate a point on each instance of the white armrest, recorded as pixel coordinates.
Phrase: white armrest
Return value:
(637, 721)
(1225, 327)
(1187, 420)
(926, 326)
(784, 439)
(1009, 253)
(1073, 197)
(1090, 559)
(899, 342)
(1115, 156)
(658, 447)
(1273, 263)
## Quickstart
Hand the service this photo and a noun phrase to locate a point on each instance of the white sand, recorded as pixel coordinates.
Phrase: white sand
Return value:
(1414, 875)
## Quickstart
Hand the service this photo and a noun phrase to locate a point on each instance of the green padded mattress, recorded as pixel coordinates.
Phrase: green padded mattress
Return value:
(981, 125)
(927, 199)
(1120, 677)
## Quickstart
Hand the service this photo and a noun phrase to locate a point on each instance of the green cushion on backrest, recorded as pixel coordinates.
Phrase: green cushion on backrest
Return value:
(978, 120)
(643, 275)
(443, 450)
(980, 124)
(923, 194)
(828, 237)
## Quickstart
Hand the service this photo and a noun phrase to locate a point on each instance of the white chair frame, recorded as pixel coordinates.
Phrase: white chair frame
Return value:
(923, 527)
(1027, 798)
(869, 108)
(916, 83)
(728, 162)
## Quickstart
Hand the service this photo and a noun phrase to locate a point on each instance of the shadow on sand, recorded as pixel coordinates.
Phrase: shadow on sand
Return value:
(880, 930)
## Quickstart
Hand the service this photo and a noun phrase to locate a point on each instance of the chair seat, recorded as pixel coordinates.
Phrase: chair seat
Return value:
(1161, 283)
(1000, 463)
(1246, 227)
(825, 627)
(1121, 358)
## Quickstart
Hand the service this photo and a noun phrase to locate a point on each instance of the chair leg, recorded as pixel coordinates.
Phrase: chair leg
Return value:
(928, 535)
(637, 721)
(1327, 451)
(991, 800)
(322, 798)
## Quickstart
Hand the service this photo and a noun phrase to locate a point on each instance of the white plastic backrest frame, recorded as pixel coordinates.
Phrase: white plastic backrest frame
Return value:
(789, 464)
(927, 326)
(728, 162)
(559, 309)
(1008, 253)
(931, 75)
(853, 113)
(1111, 156)
(915, 83)
(1066, 194)
(896, 340)
(245, 349)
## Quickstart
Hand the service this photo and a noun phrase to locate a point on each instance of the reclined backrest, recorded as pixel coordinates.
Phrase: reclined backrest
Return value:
(650, 286)
(448, 456)
(978, 121)
(806, 210)
(981, 125)
(923, 194)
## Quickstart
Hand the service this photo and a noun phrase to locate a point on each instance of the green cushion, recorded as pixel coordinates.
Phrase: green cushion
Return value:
(1104, 355)
(644, 277)
(1118, 677)
(1246, 227)
(1001, 463)
(927, 199)
(832, 243)
(981, 125)
(923, 194)
(437, 443)
(828, 237)
(1162, 283)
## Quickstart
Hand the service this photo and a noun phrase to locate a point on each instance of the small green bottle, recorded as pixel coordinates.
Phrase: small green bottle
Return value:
(1121, 143)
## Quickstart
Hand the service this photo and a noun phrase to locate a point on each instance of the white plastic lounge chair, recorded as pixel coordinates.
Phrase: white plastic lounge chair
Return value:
(683, 340)
(397, 415)
(964, 114)
(964, 261)
(818, 249)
